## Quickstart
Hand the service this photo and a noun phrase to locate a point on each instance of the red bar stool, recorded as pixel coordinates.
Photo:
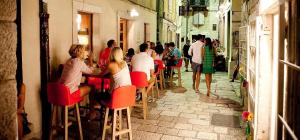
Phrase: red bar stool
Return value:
(59, 95)
(139, 79)
(177, 67)
(121, 98)
(161, 69)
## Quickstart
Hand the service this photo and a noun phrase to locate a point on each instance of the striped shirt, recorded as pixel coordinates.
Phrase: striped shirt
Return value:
(72, 73)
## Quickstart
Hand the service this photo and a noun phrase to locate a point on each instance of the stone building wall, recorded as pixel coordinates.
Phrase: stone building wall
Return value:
(8, 65)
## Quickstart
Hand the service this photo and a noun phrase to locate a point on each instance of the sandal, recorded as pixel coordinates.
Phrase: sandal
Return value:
(197, 91)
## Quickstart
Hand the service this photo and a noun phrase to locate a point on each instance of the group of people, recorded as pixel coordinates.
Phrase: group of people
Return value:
(201, 54)
(117, 66)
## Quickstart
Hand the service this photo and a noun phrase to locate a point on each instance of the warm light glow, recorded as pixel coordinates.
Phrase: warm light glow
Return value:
(78, 20)
(83, 39)
(134, 13)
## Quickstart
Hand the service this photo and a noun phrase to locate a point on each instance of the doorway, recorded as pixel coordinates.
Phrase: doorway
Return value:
(123, 35)
(146, 32)
(85, 29)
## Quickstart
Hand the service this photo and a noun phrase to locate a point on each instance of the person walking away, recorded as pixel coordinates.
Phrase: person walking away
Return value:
(196, 52)
(187, 57)
(209, 53)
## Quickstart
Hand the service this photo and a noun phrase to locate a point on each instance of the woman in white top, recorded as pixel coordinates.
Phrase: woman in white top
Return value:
(118, 69)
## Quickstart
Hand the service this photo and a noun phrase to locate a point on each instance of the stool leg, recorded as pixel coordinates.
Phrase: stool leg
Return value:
(105, 123)
(157, 90)
(161, 81)
(66, 123)
(179, 77)
(114, 127)
(129, 123)
(145, 106)
(120, 121)
(53, 121)
(163, 77)
(79, 122)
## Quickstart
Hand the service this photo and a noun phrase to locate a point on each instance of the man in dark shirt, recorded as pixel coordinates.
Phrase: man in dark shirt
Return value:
(187, 57)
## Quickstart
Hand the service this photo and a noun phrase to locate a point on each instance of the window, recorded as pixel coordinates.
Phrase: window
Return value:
(289, 76)
(214, 27)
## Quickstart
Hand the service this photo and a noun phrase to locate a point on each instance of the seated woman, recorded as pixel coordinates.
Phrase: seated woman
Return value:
(73, 69)
(129, 55)
(118, 69)
(72, 74)
(159, 49)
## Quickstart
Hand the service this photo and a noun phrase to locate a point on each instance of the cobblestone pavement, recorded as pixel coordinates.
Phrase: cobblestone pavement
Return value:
(187, 116)
(184, 116)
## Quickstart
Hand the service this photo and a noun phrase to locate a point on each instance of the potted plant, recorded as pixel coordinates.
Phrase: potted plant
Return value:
(247, 118)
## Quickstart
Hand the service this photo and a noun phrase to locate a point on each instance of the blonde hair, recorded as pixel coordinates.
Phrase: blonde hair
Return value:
(116, 55)
(77, 50)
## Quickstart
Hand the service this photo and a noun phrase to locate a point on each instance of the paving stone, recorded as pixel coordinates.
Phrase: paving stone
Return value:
(208, 136)
(168, 131)
(168, 137)
(188, 115)
(184, 126)
(191, 139)
(181, 120)
(142, 135)
(166, 118)
(148, 128)
(198, 121)
(187, 133)
(166, 124)
(169, 113)
(221, 130)
(134, 126)
(203, 128)
(231, 137)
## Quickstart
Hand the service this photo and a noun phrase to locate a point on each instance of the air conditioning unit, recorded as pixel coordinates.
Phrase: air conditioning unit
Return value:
(198, 18)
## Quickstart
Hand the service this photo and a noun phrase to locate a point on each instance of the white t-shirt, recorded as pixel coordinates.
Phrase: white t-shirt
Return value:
(196, 52)
(142, 62)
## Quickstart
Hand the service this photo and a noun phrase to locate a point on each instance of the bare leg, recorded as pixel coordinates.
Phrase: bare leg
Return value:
(194, 79)
(208, 78)
(198, 74)
(84, 90)
(150, 86)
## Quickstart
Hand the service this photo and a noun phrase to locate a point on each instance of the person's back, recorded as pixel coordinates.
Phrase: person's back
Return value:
(142, 62)
(185, 49)
(119, 69)
(196, 51)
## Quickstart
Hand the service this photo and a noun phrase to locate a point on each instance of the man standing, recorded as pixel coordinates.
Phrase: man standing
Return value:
(196, 52)
(187, 57)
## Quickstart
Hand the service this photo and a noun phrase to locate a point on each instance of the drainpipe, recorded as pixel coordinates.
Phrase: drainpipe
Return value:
(44, 67)
(187, 20)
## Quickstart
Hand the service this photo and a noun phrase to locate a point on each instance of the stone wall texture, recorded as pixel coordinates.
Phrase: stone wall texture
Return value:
(8, 43)
(8, 109)
(8, 10)
(8, 64)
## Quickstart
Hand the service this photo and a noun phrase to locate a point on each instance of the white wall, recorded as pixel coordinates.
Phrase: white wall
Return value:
(61, 36)
(31, 62)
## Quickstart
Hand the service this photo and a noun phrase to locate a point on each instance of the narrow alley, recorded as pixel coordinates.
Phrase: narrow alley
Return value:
(115, 69)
